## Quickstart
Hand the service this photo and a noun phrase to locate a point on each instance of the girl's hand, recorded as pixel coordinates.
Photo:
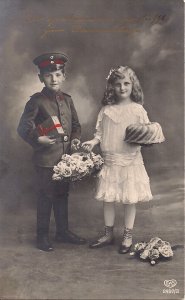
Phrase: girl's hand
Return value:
(46, 140)
(89, 145)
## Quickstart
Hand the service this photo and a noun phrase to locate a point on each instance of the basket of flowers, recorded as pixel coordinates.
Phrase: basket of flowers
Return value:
(153, 251)
(77, 166)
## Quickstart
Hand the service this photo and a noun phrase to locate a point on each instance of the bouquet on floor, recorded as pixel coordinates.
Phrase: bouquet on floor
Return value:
(77, 166)
(153, 251)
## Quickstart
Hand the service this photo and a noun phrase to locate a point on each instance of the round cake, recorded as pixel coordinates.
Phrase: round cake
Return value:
(146, 134)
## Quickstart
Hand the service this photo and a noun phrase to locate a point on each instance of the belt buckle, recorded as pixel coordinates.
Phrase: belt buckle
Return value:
(64, 138)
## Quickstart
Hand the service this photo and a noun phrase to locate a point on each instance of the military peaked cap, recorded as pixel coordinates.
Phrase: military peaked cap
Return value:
(50, 61)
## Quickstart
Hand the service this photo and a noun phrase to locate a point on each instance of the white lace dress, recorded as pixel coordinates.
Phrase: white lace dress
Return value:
(123, 177)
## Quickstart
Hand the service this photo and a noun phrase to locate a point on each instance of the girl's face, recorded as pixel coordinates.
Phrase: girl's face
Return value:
(123, 88)
(52, 80)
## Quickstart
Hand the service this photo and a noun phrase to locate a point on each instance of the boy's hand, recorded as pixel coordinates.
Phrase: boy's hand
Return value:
(46, 140)
(75, 144)
(89, 145)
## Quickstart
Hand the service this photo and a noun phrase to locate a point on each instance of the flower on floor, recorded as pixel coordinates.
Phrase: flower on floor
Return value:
(76, 166)
(155, 250)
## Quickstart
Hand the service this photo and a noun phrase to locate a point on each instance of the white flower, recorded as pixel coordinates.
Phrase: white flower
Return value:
(166, 251)
(89, 163)
(73, 165)
(153, 254)
(97, 160)
(144, 254)
(61, 165)
(67, 172)
(56, 177)
(82, 168)
(66, 157)
(77, 165)
(56, 169)
(140, 246)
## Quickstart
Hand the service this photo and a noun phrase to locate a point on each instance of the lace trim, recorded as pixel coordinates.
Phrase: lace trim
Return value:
(128, 185)
(142, 193)
(116, 113)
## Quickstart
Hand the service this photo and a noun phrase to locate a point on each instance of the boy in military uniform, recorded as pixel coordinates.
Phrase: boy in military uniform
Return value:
(48, 149)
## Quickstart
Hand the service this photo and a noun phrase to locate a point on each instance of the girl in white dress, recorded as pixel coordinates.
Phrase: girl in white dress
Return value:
(123, 177)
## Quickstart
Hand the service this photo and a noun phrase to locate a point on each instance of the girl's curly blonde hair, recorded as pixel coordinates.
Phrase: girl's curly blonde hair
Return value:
(119, 73)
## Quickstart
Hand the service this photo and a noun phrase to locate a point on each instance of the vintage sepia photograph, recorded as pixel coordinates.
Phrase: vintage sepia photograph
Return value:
(92, 149)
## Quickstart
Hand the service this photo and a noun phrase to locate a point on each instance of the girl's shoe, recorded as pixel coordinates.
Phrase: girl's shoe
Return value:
(105, 240)
(126, 244)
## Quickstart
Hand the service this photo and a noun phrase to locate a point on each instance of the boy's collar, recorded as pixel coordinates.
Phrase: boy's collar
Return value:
(52, 94)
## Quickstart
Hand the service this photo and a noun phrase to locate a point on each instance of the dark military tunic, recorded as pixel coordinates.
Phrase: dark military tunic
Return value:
(38, 109)
(51, 193)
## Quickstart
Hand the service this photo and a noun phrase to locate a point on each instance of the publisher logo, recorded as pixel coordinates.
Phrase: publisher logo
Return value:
(170, 284)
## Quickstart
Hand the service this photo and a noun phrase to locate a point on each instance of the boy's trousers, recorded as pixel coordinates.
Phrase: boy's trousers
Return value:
(52, 194)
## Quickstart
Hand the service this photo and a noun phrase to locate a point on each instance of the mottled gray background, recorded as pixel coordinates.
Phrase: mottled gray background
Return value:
(147, 35)
(96, 35)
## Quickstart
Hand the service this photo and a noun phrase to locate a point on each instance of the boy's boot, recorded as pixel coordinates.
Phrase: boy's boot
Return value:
(105, 240)
(43, 243)
(63, 235)
(126, 243)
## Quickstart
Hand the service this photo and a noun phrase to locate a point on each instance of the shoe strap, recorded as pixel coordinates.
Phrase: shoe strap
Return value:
(127, 233)
(109, 230)
(108, 234)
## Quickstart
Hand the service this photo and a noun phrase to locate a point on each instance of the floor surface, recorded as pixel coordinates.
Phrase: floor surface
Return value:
(77, 272)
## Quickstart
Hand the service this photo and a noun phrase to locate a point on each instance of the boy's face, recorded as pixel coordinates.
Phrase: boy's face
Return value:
(52, 80)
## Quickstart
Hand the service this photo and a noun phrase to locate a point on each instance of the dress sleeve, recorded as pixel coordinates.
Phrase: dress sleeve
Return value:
(144, 116)
(98, 132)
